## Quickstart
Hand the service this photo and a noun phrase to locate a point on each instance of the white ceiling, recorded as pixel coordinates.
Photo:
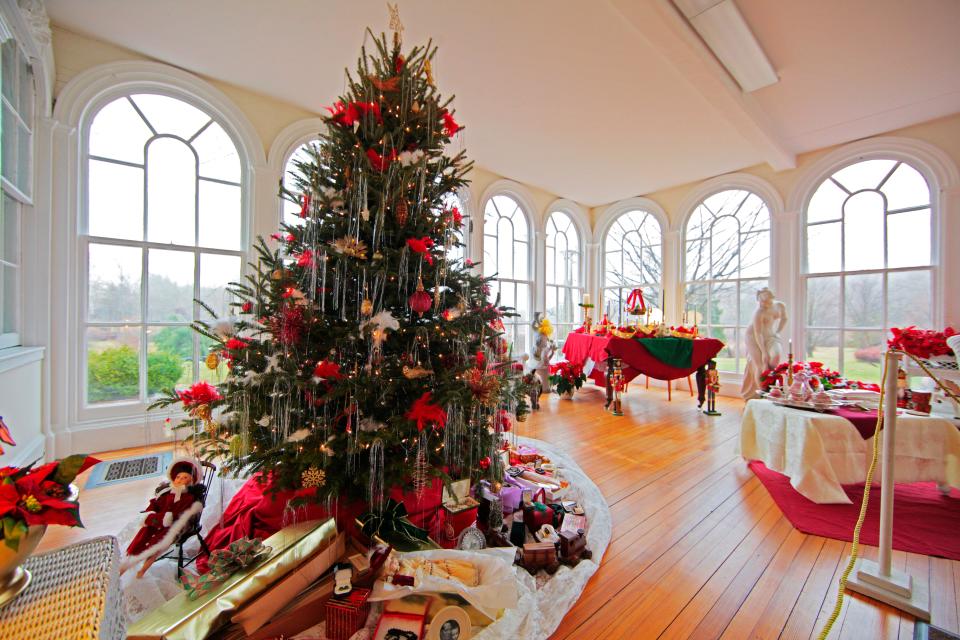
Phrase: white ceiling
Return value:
(594, 100)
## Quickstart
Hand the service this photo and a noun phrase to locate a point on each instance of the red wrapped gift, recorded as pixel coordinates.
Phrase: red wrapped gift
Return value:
(537, 514)
(454, 522)
(346, 615)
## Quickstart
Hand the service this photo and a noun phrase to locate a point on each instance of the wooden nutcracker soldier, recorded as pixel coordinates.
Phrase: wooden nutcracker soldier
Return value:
(713, 387)
(617, 383)
(168, 514)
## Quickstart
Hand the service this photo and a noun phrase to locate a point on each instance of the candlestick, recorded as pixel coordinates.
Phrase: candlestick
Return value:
(586, 299)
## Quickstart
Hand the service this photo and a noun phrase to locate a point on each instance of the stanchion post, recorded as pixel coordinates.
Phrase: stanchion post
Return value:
(879, 580)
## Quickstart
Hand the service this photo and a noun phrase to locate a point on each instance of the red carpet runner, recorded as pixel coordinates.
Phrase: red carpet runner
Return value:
(924, 520)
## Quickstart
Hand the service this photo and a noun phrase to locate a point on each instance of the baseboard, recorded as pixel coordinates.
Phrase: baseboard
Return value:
(112, 436)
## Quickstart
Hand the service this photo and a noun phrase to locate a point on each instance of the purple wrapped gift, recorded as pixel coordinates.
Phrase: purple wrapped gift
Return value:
(510, 495)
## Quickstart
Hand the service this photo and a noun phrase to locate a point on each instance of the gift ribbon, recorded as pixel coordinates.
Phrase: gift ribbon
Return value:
(391, 523)
(539, 506)
(223, 563)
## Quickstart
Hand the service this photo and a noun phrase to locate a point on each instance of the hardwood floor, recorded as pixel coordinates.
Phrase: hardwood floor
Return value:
(699, 548)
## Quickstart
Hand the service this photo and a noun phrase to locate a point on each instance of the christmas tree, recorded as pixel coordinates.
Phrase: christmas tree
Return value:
(363, 355)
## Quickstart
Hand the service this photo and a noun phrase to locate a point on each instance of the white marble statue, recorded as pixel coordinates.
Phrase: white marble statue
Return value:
(764, 348)
(543, 351)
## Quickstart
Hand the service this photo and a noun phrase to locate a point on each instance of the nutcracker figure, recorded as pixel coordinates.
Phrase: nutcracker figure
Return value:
(168, 514)
(713, 387)
(617, 383)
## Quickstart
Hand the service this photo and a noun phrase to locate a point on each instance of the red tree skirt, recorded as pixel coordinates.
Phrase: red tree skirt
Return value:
(924, 520)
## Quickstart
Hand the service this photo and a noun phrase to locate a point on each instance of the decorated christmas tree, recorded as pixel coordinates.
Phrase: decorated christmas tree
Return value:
(363, 355)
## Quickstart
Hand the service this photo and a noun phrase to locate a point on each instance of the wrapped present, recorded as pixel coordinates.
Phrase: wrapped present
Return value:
(257, 613)
(573, 523)
(511, 494)
(525, 455)
(537, 514)
(185, 618)
(346, 615)
(454, 522)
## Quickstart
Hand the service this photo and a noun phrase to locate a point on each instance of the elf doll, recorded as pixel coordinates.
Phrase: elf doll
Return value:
(168, 514)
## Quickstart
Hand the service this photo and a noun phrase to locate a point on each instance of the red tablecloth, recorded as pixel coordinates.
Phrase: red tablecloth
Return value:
(636, 359)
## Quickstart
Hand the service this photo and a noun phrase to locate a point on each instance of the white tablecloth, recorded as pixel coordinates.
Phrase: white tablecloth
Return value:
(819, 452)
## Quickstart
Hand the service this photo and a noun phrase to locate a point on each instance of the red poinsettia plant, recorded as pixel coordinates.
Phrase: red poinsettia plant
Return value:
(40, 496)
(567, 377)
(829, 379)
(922, 343)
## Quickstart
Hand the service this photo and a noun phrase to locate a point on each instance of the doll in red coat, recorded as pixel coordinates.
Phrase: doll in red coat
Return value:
(168, 514)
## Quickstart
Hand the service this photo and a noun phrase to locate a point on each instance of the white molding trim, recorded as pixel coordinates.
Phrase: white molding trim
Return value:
(929, 160)
(16, 357)
(89, 89)
(615, 210)
(291, 137)
(766, 191)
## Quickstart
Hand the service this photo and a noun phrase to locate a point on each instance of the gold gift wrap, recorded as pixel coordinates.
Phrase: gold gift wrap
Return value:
(185, 619)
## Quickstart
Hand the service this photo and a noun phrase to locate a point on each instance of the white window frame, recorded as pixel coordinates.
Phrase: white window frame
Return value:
(144, 324)
(610, 217)
(766, 193)
(24, 199)
(517, 326)
(575, 215)
(78, 101)
(934, 268)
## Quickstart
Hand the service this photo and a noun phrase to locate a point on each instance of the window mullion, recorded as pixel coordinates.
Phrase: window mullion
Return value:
(144, 293)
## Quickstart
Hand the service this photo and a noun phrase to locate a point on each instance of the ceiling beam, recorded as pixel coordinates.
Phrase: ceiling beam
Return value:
(667, 31)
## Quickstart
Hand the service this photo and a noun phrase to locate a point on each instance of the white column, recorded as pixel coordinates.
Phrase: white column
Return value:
(672, 255)
(949, 281)
(785, 258)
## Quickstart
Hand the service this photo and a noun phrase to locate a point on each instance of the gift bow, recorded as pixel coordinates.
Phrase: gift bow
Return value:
(391, 522)
(223, 563)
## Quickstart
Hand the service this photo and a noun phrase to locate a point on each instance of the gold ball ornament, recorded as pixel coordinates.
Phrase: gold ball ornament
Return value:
(366, 307)
(415, 107)
(313, 477)
(213, 360)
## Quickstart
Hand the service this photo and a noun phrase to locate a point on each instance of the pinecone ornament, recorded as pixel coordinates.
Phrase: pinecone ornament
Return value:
(213, 360)
(402, 211)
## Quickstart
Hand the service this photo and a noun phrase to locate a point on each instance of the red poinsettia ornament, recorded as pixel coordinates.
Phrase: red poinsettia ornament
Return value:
(199, 394)
(421, 246)
(425, 413)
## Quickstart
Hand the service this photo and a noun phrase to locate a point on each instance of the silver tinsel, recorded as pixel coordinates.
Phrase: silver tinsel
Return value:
(375, 492)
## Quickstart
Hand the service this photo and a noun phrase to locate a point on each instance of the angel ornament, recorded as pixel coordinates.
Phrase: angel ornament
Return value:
(763, 342)
(168, 514)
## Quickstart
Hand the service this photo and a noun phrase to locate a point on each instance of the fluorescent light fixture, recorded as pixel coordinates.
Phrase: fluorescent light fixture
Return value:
(727, 34)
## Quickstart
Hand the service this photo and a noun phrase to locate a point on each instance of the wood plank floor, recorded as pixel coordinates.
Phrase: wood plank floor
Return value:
(699, 548)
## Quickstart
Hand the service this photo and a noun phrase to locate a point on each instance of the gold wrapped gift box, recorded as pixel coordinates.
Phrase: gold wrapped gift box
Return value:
(185, 619)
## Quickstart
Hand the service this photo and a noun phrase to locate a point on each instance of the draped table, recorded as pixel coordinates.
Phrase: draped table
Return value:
(582, 349)
(819, 452)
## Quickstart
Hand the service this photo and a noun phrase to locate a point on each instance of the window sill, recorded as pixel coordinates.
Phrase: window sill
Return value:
(15, 357)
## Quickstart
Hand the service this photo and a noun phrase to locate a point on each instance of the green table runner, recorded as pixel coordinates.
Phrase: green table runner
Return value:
(676, 352)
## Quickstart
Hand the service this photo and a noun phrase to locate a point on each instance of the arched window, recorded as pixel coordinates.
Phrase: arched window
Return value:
(162, 225)
(304, 155)
(564, 280)
(632, 259)
(727, 261)
(868, 263)
(506, 255)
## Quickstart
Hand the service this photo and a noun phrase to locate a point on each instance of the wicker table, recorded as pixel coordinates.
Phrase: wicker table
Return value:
(74, 593)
